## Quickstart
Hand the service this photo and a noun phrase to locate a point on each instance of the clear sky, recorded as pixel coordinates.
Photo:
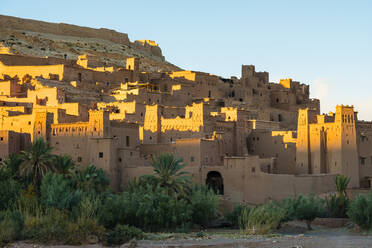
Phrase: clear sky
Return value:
(327, 44)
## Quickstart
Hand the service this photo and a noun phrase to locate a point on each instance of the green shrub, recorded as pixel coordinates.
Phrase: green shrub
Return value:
(262, 219)
(79, 231)
(336, 206)
(112, 211)
(234, 216)
(11, 224)
(56, 191)
(28, 202)
(360, 211)
(204, 205)
(90, 179)
(47, 226)
(288, 206)
(147, 208)
(307, 208)
(86, 222)
(9, 193)
(122, 234)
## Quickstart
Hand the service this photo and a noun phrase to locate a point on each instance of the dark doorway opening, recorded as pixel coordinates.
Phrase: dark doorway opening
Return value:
(215, 182)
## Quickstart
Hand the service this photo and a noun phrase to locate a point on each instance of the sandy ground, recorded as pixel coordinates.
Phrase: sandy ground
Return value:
(318, 238)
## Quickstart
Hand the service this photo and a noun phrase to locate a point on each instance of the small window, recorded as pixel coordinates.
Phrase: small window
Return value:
(79, 159)
(101, 154)
(362, 160)
(29, 123)
(1, 138)
(253, 169)
(119, 159)
(131, 154)
(192, 159)
(127, 140)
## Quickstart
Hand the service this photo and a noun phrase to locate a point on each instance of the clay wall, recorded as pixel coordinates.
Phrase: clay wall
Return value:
(278, 145)
(245, 182)
(364, 142)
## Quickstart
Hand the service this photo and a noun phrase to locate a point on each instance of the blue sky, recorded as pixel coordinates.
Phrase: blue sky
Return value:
(327, 44)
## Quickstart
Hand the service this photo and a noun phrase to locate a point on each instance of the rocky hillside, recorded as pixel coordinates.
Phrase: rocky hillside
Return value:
(40, 39)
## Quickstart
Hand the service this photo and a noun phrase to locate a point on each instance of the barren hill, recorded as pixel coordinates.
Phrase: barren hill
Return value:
(40, 39)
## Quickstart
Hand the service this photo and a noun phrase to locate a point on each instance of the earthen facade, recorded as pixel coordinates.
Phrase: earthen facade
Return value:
(250, 139)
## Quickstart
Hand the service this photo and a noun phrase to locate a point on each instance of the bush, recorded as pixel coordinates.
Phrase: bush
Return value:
(262, 219)
(147, 208)
(336, 206)
(91, 179)
(47, 226)
(113, 211)
(122, 234)
(79, 231)
(28, 201)
(87, 221)
(9, 193)
(288, 206)
(11, 224)
(307, 208)
(360, 211)
(56, 191)
(234, 216)
(204, 205)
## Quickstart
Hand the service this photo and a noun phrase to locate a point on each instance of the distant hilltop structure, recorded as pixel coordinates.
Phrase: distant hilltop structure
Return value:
(249, 139)
(41, 39)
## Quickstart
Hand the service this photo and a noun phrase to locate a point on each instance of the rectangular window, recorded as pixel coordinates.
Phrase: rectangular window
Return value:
(362, 160)
(79, 159)
(192, 159)
(127, 140)
(101, 154)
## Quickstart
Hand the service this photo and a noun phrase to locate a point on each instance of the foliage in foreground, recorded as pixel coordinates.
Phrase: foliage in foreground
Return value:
(308, 208)
(360, 211)
(122, 234)
(261, 219)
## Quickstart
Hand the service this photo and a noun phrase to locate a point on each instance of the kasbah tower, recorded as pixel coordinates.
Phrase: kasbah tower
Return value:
(250, 139)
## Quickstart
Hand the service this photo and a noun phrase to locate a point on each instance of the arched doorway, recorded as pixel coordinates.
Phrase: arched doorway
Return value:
(214, 181)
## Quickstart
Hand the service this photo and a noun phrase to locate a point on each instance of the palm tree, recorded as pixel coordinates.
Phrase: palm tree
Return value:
(37, 161)
(64, 163)
(168, 174)
(90, 178)
(342, 199)
(341, 185)
(10, 165)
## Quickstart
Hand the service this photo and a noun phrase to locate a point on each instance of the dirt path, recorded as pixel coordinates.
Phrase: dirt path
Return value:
(318, 238)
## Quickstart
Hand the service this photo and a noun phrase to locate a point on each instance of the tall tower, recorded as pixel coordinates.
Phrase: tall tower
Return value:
(303, 161)
(132, 64)
(152, 124)
(349, 162)
(42, 121)
(99, 123)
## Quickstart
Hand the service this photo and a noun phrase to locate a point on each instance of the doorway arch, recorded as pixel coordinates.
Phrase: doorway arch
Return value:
(214, 181)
